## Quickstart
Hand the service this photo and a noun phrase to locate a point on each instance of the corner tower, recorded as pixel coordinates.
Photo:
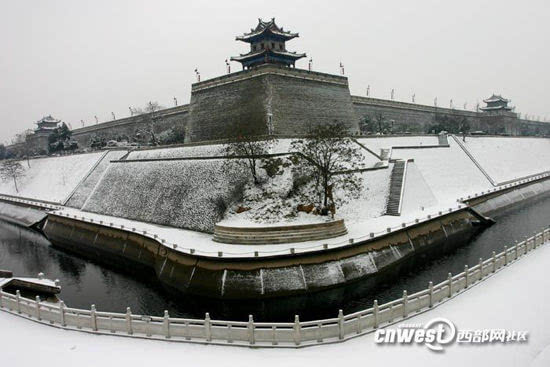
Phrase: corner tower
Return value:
(270, 96)
(267, 46)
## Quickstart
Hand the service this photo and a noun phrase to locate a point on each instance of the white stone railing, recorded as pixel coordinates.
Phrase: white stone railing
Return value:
(251, 333)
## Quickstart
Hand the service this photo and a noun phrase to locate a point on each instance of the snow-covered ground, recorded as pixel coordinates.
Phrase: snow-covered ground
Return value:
(449, 172)
(381, 142)
(509, 158)
(513, 299)
(53, 178)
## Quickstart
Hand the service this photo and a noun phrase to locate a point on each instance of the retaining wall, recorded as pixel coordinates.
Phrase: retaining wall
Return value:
(288, 334)
(282, 275)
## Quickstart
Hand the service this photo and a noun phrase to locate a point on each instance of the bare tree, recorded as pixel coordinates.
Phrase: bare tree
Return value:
(11, 170)
(150, 116)
(244, 142)
(329, 157)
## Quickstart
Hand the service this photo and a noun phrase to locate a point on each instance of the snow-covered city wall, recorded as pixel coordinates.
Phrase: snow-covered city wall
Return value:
(51, 179)
(192, 194)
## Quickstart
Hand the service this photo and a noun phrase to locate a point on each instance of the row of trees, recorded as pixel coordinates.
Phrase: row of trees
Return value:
(380, 124)
(146, 133)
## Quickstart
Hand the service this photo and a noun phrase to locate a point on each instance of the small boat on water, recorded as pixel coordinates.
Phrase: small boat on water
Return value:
(30, 287)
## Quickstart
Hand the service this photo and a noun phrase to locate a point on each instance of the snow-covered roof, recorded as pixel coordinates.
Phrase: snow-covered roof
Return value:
(48, 119)
(496, 98)
(266, 28)
(292, 55)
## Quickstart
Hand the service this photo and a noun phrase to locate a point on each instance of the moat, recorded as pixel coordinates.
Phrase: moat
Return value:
(85, 283)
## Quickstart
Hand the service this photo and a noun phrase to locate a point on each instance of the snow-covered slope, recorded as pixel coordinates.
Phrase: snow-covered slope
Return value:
(83, 191)
(507, 158)
(449, 172)
(190, 194)
(52, 178)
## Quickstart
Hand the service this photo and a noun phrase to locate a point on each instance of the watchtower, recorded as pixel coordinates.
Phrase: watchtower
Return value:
(267, 46)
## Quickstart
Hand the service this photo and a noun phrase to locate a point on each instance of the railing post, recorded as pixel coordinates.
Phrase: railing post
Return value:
(494, 261)
(466, 276)
(62, 313)
(166, 324)
(251, 338)
(480, 268)
(207, 327)
(129, 328)
(375, 314)
(431, 293)
(340, 324)
(517, 245)
(274, 335)
(18, 301)
(505, 255)
(405, 301)
(297, 334)
(37, 299)
(1, 299)
(93, 318)
(450, 284)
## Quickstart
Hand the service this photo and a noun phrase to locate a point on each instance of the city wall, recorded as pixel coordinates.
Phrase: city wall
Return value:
(275, 100)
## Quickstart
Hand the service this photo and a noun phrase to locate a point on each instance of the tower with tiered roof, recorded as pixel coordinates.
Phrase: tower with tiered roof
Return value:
(267, 46)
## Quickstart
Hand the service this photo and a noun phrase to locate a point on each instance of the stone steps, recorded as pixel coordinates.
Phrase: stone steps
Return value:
(277, 235)
(396, 188)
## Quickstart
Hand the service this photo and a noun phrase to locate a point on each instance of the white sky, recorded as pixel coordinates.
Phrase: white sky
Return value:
(76, 59)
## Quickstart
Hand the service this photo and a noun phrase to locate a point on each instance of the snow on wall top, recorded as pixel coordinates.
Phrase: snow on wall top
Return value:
(449, 172)
(183, 194)
(510, 158)
(178, 152)
(52, 178)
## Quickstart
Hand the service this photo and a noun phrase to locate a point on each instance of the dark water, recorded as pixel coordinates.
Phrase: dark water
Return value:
(84, 282)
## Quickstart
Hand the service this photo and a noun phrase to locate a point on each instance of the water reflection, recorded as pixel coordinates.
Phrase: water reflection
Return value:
(85, 282)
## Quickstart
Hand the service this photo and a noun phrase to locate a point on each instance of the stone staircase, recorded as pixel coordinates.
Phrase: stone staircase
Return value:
(282, 234)
(397, 181)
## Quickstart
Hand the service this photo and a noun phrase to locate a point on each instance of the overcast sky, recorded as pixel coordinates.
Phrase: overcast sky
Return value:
(77, 59)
